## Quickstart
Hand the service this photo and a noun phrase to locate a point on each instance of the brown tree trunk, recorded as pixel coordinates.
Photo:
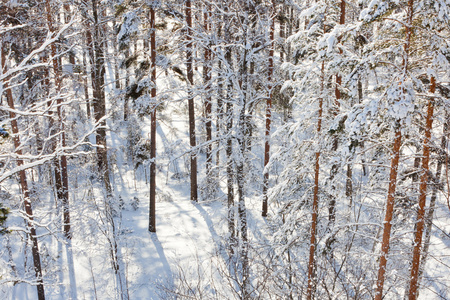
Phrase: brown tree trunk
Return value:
(152, 217)
(63, 194)
(315, 207)
(337, 91)
(422, 196)
(98, 77)
(437, 182)
(208, 103)
(56, 163)
(24, 185)
(389, 212)
(190, 77)
(268, 115)
(229, 144)
(393, 173)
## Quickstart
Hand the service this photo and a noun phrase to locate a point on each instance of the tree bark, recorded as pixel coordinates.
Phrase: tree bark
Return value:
(389, 212)
(190, 77)
(86, 87)
(413, 287)
(24, 184)
(315, 206)
(335, 111)
(208, 103)
(152, 217)
(63, 192)
(229, 141)
(393, 172)
(268, 115)
(282, 16)
(443, 157)
(99, 103)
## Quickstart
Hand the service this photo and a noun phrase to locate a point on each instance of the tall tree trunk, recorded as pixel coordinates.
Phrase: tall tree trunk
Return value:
(393, 172)
(220, 91)
(99, 100)
(56, 163)
(389, 212)
(152, 217)
(63, 194)
(240, 177)
(443, 157)
(315, 206)
(268, 115)
(23, 184)
(190, 77)
(220, 113)
(335, 111)
(229, 141)
(422, 196)
(208, 103)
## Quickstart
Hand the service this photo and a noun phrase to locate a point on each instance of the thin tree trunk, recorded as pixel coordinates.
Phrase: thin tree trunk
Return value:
(116, 60)
(228, 69)
(413, 288)
(315, 207)
(393, 173)
(291, 23)
(208, 103)
(125, 100)
(389, 212)
(282, 17)
(190, 77)
(220, 94)
(152, 217)
(437, 182)
(415, 176)
(220, 113)
(56, 163)
(349, 185)
(63, 194)
(268, 116)
(229, 152)
(24, 184)
(335, 167)
(86, 88)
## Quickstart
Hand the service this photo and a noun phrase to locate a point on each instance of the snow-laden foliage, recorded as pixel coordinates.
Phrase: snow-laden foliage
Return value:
(77, 83)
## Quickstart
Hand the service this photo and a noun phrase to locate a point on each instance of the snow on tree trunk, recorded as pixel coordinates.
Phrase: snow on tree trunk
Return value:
(152, 216)
(190, 77)
(268, 116)
(23, 183)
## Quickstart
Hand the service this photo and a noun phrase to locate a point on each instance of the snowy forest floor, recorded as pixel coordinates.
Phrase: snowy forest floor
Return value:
(188, 247)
